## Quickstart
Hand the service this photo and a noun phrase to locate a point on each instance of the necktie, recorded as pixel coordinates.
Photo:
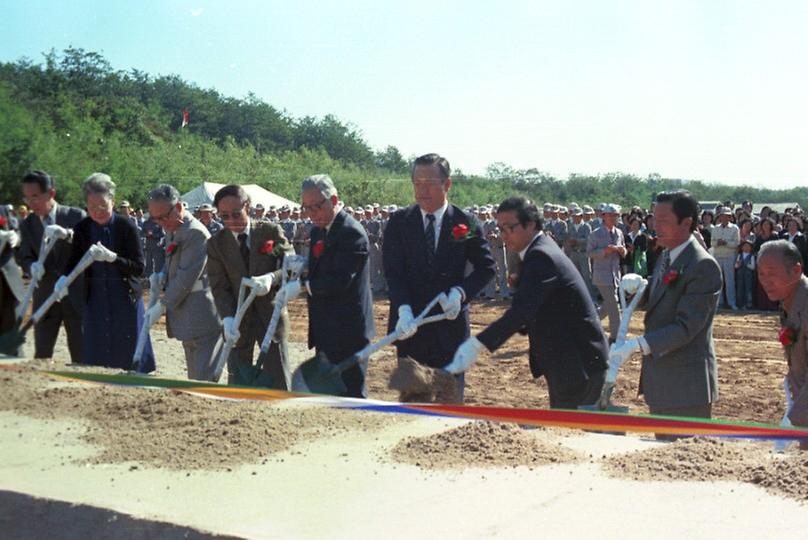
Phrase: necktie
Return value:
(664, 265)
(429, 236)
(245, 251)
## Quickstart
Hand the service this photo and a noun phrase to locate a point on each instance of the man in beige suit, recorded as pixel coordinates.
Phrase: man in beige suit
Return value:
(679, 373)
(247, 248)
(186, 300)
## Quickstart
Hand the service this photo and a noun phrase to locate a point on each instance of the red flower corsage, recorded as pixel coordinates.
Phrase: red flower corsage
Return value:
(3, 221)
(461, 232)
(787, 336)
(317, 250)
(670, 277)
(171, 248)
(268, 247)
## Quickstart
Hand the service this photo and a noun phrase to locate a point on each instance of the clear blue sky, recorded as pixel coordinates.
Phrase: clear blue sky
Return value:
(711, 90)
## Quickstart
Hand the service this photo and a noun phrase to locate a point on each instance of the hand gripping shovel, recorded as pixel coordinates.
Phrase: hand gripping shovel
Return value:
(10, 341)
(48, 241)
(324, 377)
(604, 402)
(245, 300)
(293, 266)
(156, 284)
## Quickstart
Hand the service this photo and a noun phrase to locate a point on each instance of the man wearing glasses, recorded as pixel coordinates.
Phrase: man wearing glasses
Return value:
(426, 248)
(39, 193)
(338, 281)
(567, 343)
(187, 299)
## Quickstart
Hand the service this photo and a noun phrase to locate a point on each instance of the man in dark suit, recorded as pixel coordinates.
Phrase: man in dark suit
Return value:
(679, 376)
(426, 248)
(245, 248)
(12, 288)
(567, 343)
(39, 193)
(337, 281)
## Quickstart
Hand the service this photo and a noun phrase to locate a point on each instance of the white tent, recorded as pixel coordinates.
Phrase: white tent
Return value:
(205, 192)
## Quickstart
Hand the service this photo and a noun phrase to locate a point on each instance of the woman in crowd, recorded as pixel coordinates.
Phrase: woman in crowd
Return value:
(652, 250)
(636, 248)
(793, 233)
(745, 226)
(767, 234)
(113, 309)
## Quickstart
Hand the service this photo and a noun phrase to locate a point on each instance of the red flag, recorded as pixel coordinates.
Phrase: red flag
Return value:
(185, 117)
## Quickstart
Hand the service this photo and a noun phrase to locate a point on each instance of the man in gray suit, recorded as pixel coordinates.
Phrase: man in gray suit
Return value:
(679, 375)
(187, 299)
(606, 246)
(39, 192)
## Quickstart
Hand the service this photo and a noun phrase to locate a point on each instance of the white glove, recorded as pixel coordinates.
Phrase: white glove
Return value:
(156, 281)
(102, 254)
(261, 284)
(58, 233)
(11, 237)
(454, 301)
(465, 355)
(37, 270)
(60, 288)
(405, 327)
(289, 291)
(618, 354)
(631, 283)
(231, 333)
(154, 313)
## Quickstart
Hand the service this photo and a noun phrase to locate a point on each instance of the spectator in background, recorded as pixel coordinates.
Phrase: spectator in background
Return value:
(726, 238)
(746, 234)
(767, 234)
(606, 247)
(637, 247)
(793, 234)
(654, 249)
(745, 267)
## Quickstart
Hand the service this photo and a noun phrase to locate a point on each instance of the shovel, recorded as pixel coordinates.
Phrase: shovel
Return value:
(293, 266)
(604, 402)
(324, 377)
(45, 247)
(782, 445)
(244, 302)
(154, 297)
(10, 341)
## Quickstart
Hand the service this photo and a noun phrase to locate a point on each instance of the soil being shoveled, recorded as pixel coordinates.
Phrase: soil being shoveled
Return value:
(174, 430)
(704, 459)
(422, 384)
(484, 444)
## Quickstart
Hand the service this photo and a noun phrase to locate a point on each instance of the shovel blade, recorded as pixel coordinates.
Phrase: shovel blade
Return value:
(610, 408)
(11, 341)
(322, 377)
(253, 376)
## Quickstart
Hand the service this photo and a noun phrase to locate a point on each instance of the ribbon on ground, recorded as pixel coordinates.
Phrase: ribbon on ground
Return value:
(575, 419)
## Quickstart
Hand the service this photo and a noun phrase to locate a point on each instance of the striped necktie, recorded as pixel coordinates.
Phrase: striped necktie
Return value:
(429, 236)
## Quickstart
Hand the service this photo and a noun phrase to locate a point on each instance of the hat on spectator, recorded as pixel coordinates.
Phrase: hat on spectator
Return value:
(124, 204)
(368, 208)
(611, 208)
(349, 210)
(206, 208)
(725, 211)
(259, 206)
(577, 211)
(588, 209)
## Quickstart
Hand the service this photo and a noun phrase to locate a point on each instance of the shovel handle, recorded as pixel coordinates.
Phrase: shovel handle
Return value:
(83, 264)
(44, 249)
(243, 306)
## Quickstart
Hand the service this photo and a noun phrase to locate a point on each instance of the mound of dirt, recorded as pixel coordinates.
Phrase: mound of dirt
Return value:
(484, 444)
(421, 384)
(703, 459)
(161, 428)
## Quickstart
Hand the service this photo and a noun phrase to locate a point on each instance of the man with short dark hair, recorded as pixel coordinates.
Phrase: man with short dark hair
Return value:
(425, 251)
(781, 273)
(567, 343)
(39, 192)
(679, 374)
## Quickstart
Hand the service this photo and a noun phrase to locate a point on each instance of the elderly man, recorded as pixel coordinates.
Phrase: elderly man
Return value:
(725, 240)
(426, 248)
(338, 281)
(679, 376)
(567, 344)
(39, 191)
(575, 248)
(187, 299)
(780, 270)
(606, 247)
(245, 248)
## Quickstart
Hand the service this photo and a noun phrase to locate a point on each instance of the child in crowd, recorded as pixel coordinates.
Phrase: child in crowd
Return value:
(745, 265)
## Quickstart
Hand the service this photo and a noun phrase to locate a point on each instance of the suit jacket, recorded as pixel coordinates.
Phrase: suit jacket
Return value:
(125, 243)
(31, 231)
(681, 370)
(340, 302)
(567, 343)
(190, 310)
(226, 268)
(413, 282)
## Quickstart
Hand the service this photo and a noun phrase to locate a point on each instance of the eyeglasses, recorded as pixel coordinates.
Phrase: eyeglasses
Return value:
(510, 227)
(314, 207)
(164, 216)
(237, 214)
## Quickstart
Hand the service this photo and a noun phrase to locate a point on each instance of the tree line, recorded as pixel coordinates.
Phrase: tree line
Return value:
(72, 114)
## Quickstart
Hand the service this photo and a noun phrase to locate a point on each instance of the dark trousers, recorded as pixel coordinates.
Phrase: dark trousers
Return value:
(47, 330)
(8, 304)
(693, 411)
(353, 377)
(571, 397)
(242, 355)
